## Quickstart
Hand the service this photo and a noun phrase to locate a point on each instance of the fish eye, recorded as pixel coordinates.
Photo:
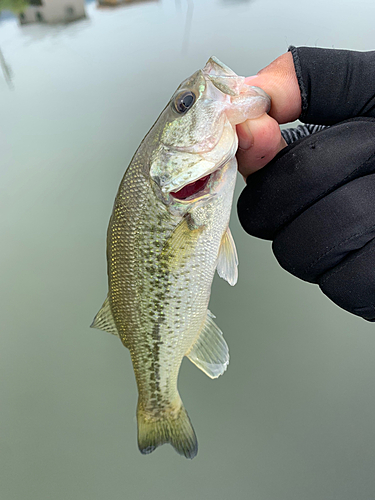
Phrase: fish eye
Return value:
(184, 101)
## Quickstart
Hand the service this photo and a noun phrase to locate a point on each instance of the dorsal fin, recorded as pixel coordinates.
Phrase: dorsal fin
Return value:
(210, 352)
(104, 319)
(228, 261)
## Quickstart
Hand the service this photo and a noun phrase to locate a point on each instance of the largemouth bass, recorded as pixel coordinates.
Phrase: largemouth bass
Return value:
(167, 234)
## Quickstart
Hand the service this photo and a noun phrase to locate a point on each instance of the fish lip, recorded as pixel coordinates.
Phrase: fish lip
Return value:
(203, 193)
(216, 168)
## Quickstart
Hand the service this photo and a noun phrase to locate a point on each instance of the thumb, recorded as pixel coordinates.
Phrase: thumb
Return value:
(279, 80)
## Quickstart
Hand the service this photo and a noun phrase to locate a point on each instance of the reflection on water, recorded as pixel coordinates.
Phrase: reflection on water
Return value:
(14, 6)
(116, 3)
(53, 12)
(6, 69)
(230, 2)
(187, 28)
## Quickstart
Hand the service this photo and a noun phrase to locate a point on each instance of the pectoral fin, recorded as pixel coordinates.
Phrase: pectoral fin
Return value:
(104, 319)
(228, 260)
(180, 244)
(210, 352)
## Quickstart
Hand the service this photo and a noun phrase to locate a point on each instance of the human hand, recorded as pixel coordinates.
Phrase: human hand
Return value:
(260, 139)
(315, 200)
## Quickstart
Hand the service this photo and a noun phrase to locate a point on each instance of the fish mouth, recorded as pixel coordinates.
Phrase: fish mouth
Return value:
(204, 187)
(200, 188)
(191, 190)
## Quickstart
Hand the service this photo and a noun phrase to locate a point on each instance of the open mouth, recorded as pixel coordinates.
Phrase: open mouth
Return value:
(192, 188)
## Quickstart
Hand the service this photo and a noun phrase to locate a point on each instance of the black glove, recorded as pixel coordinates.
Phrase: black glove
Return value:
(316, 201)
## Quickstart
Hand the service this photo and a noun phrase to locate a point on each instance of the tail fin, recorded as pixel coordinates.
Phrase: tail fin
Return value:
(175, 429)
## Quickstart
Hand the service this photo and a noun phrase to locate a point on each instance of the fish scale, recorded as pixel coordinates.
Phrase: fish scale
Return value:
(165, 242)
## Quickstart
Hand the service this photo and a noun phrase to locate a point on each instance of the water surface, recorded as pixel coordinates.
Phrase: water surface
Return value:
(293, 417)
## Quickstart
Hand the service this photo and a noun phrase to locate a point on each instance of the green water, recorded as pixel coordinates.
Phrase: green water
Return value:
(293, 417)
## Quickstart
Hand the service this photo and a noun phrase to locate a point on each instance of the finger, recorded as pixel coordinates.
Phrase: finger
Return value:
(279, 81)
(351, 284)
(323, 235)
(259, 141)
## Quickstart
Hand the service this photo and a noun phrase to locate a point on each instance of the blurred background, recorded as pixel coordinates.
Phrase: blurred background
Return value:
(293, 417)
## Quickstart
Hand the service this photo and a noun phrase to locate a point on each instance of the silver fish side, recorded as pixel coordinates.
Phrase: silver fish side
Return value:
(167, 235)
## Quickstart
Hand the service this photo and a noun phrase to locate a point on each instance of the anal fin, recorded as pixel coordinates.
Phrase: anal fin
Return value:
(210, 352)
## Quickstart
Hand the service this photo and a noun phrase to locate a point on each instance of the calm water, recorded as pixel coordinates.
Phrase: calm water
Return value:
(293, 417)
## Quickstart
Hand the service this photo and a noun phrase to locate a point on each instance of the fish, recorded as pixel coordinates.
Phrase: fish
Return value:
(167, 235)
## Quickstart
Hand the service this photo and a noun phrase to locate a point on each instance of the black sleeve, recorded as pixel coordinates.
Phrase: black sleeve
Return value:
(335, 84)
(316, 201)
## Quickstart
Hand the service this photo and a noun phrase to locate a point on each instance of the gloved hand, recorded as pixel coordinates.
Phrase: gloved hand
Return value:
(316, 200)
